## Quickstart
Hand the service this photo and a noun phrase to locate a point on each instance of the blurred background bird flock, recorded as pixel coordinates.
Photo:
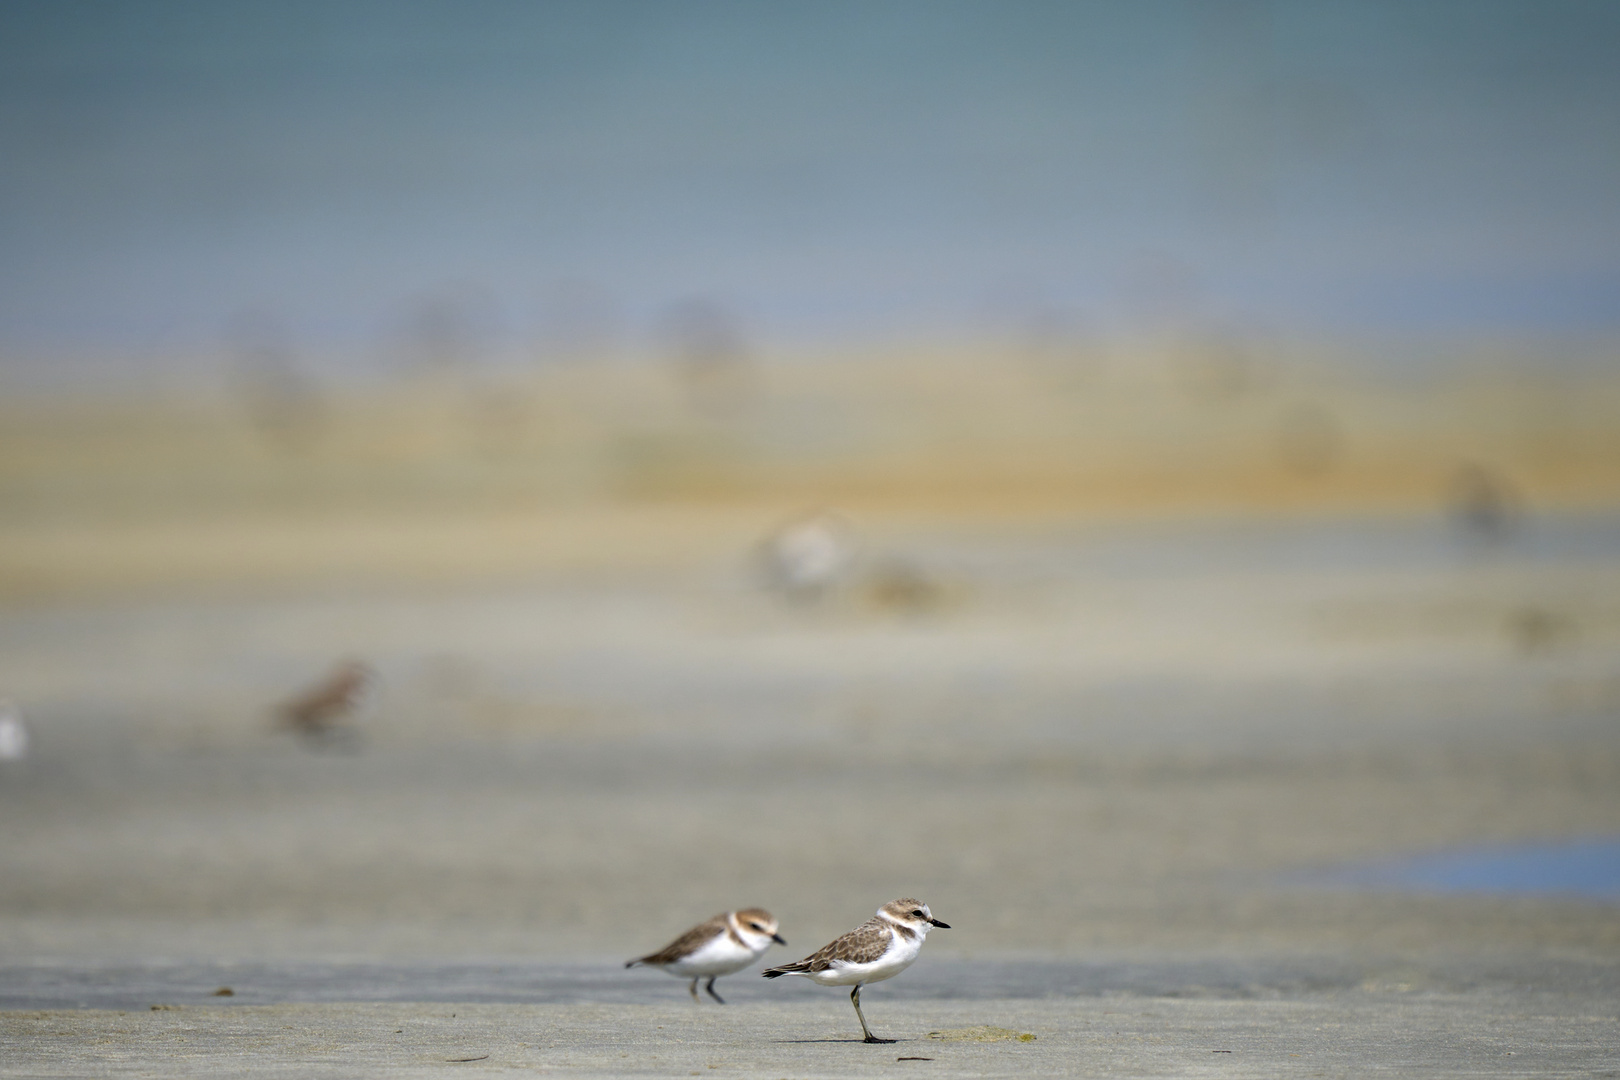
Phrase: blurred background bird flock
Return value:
(474, 474)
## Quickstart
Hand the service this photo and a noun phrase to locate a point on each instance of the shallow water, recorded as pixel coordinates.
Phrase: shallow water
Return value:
(1588, 868)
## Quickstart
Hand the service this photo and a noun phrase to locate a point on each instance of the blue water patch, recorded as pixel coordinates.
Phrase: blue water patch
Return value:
(1587, 868)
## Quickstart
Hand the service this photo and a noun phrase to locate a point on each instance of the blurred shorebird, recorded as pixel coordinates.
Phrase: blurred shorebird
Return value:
(1483, 503)
(13, 733)
(809, 556)
(321, 710)
(880, 948)
(726, 943)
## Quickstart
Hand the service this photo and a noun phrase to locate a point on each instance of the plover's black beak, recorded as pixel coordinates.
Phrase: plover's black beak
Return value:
(778, 939)
(941, 925)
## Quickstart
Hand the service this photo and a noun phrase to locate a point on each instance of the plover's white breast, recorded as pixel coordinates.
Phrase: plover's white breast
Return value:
(895, 959)
(720, 955)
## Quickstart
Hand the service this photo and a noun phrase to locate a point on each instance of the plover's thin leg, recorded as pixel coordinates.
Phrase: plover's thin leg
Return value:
(693, 988)
(855, 996)
(710, 989)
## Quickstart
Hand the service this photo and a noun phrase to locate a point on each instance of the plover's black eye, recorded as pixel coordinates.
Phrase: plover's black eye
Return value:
(758, 927)
(918, 913)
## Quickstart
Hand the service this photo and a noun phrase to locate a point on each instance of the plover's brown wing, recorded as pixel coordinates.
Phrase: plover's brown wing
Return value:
(686, 943)
(862, 945)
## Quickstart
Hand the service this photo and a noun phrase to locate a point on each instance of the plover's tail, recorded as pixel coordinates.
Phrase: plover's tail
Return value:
(798, 967)
(633, 963)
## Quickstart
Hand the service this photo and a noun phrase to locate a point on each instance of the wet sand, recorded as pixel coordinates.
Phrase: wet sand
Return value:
(1434, 1035)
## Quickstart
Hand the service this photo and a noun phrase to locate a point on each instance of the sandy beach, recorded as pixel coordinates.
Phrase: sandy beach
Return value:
(1113, 760)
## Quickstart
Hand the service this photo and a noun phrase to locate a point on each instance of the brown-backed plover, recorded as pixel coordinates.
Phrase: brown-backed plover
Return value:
(726, 943)
(319, 710)
(880, 948)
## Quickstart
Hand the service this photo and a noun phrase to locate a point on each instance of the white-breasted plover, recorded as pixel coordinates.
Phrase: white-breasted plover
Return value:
(880, 948)
(726, 943)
